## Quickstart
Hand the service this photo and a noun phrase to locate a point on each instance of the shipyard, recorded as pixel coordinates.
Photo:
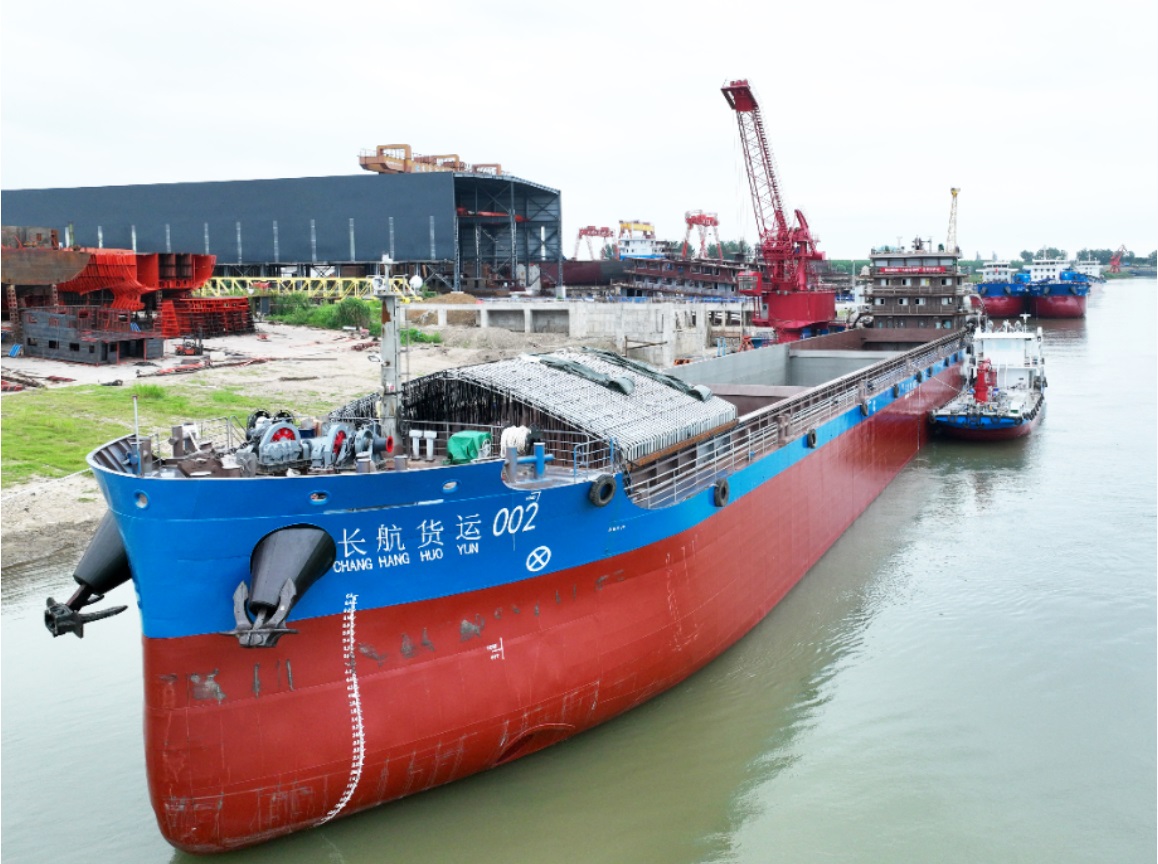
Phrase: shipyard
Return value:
(702, 468)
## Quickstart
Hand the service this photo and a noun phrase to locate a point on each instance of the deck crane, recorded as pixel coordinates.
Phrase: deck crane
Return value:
(1116, 260)
(788, 300)
(951, 241)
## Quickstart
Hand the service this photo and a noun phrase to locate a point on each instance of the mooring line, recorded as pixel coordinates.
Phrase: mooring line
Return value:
(39, 485)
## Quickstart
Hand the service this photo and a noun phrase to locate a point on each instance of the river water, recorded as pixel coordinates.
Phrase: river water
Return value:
(969, 675)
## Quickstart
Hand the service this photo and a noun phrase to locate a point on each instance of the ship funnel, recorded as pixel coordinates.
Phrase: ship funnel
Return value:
(103, 567)
(282, 568)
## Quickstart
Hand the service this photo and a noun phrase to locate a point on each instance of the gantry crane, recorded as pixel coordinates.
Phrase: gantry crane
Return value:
(789, 300)
(589, 232)
(702, 222)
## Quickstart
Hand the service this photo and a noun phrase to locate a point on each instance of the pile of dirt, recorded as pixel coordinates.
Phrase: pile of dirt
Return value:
(457, 319)
(459, 298)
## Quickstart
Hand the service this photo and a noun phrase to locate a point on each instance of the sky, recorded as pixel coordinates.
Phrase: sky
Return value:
(1045, 116)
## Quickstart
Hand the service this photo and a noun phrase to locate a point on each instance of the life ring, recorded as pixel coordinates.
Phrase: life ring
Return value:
(811, 437)
(602, 490)
(721, 493)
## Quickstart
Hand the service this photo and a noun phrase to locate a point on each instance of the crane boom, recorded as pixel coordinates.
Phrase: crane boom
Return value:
(788, 300)
(762, 174)
(951, 240)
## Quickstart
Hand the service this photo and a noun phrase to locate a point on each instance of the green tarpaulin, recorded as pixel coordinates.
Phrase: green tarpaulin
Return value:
(467, 446)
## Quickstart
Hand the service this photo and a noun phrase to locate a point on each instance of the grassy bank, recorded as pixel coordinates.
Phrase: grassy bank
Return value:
(302, 311)
(47, 433)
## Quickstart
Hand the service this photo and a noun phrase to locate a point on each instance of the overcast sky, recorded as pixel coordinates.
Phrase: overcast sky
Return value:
(1045, 115)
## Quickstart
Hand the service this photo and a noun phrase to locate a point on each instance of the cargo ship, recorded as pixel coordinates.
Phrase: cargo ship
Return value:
(1002, 290)
(458, 571)
(1056, 290)
(1005, 392)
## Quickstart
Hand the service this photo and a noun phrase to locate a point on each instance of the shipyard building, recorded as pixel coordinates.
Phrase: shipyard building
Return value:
(472, 229)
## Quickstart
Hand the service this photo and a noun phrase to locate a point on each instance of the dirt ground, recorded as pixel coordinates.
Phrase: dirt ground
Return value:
(56, 518)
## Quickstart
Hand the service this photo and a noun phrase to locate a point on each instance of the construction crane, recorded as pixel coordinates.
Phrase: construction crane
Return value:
(788, 299)
(951, 241)
(702, 222)
(589, 232)
(1116, 260)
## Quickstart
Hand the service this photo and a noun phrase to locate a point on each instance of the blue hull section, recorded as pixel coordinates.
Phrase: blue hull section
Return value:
(401, 537)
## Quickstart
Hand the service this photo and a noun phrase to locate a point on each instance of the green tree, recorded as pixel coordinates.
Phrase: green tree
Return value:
(352, 312)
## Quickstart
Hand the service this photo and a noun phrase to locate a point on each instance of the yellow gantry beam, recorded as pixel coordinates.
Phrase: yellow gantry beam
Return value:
(327, 287)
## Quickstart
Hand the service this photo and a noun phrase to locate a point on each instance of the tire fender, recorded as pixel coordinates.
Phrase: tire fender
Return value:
(602, 490)
(721, 493)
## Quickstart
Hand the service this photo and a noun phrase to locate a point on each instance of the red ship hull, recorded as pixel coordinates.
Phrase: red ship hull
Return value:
(1057, 306)
(1004, 307)
(369, 706)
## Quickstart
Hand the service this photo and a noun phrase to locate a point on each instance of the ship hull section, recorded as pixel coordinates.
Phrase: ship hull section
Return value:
(1002, 305)
(373, 701)
(1058, 306)
(1000, 429)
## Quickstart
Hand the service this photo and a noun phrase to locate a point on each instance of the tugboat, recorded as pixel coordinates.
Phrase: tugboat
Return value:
(1005, 394)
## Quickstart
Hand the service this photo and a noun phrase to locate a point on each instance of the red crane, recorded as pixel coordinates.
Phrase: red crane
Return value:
(702, 222)
(589, 232)
(1116, 260)
(788, 300)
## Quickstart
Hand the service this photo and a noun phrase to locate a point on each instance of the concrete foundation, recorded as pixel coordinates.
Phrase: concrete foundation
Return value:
(656, 333)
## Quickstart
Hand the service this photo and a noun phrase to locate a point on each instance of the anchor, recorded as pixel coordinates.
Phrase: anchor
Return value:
(303, 551)
(61, 618)
(104, 566)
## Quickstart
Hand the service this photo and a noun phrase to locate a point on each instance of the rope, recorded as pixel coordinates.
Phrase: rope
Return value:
(36, 487)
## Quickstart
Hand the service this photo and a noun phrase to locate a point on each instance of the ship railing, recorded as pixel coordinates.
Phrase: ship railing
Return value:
(129, 455)
(694, 468)
(221, 434)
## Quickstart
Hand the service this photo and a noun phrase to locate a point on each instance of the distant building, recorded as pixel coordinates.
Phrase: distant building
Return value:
(466, 229)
